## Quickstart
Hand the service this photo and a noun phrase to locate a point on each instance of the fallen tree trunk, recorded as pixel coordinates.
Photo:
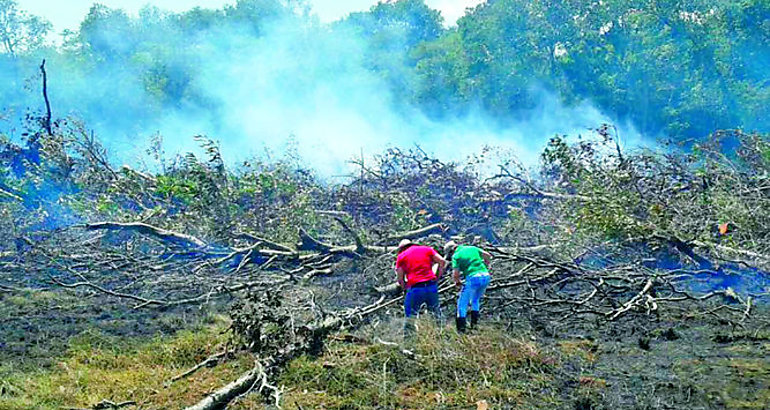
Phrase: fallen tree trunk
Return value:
(312, 339)
(262, 371)
(228, 393)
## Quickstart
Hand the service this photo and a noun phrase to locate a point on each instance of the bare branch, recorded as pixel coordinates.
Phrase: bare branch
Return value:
(145, 229)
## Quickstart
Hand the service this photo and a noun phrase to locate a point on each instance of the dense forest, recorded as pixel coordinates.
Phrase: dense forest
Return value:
(671, 69)
(623, 276)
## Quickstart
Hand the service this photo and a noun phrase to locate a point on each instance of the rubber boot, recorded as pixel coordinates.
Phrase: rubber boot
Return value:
(460, 322)
(474, 318)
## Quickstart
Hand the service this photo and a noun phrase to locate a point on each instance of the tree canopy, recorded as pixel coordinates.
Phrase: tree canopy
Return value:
(671, 68)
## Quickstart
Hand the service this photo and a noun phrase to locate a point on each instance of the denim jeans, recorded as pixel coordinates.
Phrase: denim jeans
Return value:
(413, 301)
(415, 297)
(471, 294)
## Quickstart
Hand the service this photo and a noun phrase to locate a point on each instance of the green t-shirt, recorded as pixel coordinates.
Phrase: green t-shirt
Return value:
(467, 259)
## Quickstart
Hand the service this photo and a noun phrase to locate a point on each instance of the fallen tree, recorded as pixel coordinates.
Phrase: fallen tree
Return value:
(596, 238)
(547, 288)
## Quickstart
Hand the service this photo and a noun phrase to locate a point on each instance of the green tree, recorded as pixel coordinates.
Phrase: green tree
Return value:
(20, 31)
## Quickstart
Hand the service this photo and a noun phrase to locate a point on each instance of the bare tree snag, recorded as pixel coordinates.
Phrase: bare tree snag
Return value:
(47, 119)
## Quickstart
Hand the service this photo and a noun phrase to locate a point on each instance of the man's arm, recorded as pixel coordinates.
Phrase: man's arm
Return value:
(400, 278)
(456, 277)
(487, 257)
(441, 264)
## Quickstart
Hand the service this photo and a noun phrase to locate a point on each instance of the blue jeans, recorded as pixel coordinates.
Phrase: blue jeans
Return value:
(413, 301)
(415, 297)
(471, 294)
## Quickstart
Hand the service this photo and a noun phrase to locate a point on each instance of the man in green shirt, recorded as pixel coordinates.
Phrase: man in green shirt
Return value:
(473, 264)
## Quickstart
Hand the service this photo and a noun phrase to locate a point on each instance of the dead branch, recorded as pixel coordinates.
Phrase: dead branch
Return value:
(145, 229)
(147, 178)
(688, 250)
(633, 302)
(106, 405)
(8, 289)
(260, 241)
(417, 233)
(308, 243)
(727, 249)
(4, 193)
(360, 248)
(505, 173)
(390, 289)
(210, 361)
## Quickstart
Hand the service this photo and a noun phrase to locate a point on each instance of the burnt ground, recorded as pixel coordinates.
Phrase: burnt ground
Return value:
(671, 361)
(36, 326)
(680, 362)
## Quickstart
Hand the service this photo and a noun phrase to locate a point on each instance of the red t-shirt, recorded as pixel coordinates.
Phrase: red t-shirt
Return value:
(417, 264)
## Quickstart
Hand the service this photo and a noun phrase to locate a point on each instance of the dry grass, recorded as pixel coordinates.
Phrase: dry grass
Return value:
(446, 371)
(98, 367)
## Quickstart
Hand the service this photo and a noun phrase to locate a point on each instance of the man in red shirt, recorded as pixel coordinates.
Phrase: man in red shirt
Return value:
(414, 267)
